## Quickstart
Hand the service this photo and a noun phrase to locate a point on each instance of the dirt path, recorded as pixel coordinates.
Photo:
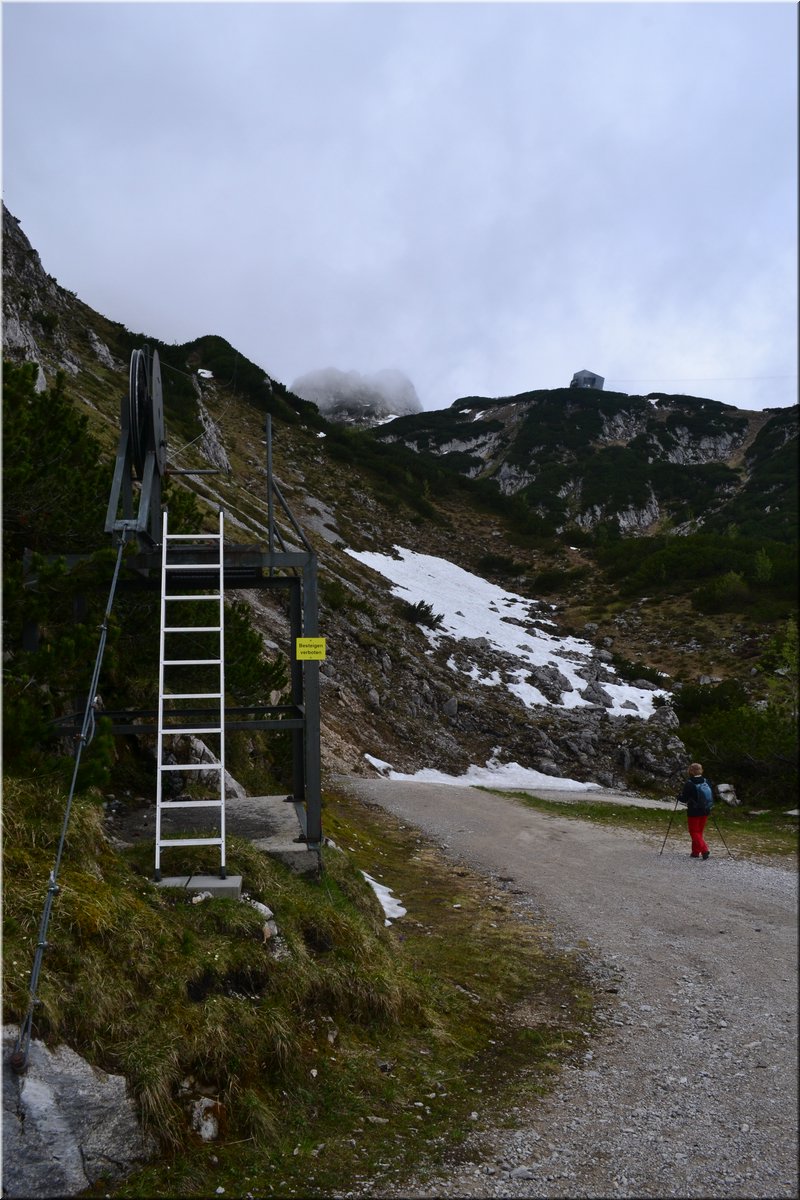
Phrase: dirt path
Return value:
(693, 1092)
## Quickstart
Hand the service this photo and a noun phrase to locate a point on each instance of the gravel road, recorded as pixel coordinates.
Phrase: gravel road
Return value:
(692, 1091)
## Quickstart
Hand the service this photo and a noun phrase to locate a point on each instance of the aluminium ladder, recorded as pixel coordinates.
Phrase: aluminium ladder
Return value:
(174, 664)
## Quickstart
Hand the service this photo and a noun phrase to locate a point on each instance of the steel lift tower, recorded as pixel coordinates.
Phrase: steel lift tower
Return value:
(207, 563)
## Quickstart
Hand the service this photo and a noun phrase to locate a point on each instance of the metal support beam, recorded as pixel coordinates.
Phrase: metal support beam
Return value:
(313, 783)
(144, 720)
(298, 698)
(120, 485)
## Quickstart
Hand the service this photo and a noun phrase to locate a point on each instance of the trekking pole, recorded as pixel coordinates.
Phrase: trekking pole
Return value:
(721, 838)
(666, 835)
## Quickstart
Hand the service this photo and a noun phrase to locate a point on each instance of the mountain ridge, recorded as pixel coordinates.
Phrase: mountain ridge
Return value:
(528, 445)
(385, 691)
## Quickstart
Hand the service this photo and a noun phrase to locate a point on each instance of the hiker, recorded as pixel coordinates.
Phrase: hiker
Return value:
(698, 808)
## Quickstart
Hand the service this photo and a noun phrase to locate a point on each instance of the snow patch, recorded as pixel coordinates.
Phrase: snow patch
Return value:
(392, 908)
(503, 624)
(494, 775)
(383, 768)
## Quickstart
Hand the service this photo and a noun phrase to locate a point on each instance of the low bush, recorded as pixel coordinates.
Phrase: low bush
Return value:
(558, 579)
(499, 564)
(755, 747)
(420, 613)
(728, 593)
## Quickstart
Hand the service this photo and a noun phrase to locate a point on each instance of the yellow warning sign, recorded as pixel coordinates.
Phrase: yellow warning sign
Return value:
(310, 648)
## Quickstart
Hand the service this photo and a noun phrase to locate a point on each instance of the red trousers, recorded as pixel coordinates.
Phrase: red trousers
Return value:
(696, 827)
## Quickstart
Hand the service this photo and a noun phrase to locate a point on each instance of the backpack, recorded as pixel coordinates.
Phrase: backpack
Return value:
(705, 796)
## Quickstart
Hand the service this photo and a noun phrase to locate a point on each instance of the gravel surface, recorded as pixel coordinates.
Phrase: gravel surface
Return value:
(692, 1091)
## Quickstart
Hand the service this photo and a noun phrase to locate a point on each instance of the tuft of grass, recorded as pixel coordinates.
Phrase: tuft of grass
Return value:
(153, 1067)
(253, 1113)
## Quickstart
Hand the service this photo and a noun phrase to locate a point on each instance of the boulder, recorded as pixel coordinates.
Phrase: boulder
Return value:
(596, 694)
(550, 682)
(200, 753)
(727, 794)
(101, 350)
(66, 1125)
(661, 755)
(664, 716)
(548, 767)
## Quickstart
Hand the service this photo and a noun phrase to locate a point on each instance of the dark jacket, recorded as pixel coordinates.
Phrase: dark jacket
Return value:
(689, 797)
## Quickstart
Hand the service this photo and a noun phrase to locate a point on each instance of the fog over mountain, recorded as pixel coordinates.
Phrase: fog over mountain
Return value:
(356, 398)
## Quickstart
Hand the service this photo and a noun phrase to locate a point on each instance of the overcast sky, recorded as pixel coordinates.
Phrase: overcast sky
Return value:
(485, 196)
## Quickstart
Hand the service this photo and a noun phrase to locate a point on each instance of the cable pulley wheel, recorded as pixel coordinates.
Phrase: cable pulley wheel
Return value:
(139, 410)
(158, 433)
(145, 414)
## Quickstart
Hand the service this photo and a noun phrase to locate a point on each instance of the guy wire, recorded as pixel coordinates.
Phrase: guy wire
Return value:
(19, 1057)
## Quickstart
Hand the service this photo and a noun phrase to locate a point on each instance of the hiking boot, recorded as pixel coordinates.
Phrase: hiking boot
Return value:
(693, 855)
(706, 854)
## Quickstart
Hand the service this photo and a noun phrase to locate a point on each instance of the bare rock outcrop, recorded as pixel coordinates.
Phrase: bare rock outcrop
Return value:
(66, 1125)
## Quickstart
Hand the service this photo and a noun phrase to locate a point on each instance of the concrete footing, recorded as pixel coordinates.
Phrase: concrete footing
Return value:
(271, 823)
(230, 888)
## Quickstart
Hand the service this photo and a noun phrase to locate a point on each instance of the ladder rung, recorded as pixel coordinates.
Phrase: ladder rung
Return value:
(206, 568)
(192, 537)
(191, 767)
(194, 596)
(192, 696)
(192, 629)
(168, 729)
(190, 842)
(191, 662)
(192, 804)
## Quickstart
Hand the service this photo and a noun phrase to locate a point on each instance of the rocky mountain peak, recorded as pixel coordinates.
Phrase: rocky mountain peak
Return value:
(348, 397)
(40, 316)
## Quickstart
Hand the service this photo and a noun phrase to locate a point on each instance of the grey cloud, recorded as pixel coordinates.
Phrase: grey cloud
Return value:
(490, 195)
(387, 393)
